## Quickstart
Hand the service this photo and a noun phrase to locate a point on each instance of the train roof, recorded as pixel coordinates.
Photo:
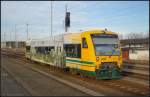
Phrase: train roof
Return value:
(94, 31)
(72, 38)
(75, 38)
(69, 38)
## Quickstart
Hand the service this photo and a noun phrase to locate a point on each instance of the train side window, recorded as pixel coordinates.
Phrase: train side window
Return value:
(46, 50)
(43, 50)
(27, 48)
(84, 43)
(52, 48)
(73, 50)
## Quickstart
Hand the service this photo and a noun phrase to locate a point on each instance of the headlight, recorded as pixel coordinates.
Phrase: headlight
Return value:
(119, 58)
(97, 59)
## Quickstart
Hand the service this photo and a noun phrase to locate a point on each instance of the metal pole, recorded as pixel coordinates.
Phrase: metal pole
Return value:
(51, 27)
(51, 19)
(12, 33)
(10, 39)
(27, 32)
(10, 36)
(5, 38)
(15, 37)
(6, 33)
(63, 24)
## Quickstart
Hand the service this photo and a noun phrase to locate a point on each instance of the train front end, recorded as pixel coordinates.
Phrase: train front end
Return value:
(108, 55)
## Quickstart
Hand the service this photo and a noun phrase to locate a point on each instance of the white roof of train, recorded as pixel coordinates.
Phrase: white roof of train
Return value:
(49, 41)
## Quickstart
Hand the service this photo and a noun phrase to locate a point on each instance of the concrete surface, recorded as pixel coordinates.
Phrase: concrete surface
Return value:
(9, 86)
(36, 83)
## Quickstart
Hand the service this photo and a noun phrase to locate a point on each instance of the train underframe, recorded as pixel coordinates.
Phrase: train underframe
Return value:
(107, 71)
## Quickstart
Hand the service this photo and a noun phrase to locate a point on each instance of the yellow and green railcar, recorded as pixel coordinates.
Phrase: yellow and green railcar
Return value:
(95, 52)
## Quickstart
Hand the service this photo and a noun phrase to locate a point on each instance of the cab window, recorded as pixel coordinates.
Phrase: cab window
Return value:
(84, 43)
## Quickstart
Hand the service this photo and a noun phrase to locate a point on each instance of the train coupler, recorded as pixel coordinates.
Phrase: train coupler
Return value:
(108, 74)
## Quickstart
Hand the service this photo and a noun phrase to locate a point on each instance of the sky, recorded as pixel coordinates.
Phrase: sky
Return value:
(123, 17)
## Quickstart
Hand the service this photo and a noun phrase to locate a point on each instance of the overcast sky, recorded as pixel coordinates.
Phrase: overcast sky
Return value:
(123, 17)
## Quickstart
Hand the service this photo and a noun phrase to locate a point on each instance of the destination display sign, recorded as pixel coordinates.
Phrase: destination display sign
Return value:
(104, 35)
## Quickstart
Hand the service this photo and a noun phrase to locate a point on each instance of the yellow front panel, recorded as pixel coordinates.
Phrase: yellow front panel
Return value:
(116, 59)
(87, 68)
(88, 54)
(109, 58)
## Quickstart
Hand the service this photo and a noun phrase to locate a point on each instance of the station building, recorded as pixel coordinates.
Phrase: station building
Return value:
(135, 49)
(13, 44)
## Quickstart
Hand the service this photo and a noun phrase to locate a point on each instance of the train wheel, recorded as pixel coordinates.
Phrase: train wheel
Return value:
(73, 71)
(66, 69)
(83, 76)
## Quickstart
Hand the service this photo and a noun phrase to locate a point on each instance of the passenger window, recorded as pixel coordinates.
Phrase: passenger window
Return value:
(27, 48)
(73, 50)
(84, 43)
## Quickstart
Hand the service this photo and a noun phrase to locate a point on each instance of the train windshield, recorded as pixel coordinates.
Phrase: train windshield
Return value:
(106, 44)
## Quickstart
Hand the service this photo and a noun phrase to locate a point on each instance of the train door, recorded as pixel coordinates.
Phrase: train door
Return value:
(58, 61)
(84, 51)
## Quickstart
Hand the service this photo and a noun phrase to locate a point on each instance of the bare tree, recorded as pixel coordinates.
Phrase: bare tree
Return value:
(135, 35)
(120, 36)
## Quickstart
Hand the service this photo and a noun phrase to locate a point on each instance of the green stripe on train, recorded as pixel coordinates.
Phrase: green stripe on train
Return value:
(90, 65)
(90, 73)
(85, 62)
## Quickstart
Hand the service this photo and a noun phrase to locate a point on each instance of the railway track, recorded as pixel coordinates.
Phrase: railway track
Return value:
(142, 72)
(137, 71)
(111, 85)
(125, 87)
(130, 70)
(129, 75)
(136, 62)
(137, 66)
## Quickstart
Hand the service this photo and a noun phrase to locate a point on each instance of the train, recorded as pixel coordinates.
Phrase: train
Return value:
(94, 53)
